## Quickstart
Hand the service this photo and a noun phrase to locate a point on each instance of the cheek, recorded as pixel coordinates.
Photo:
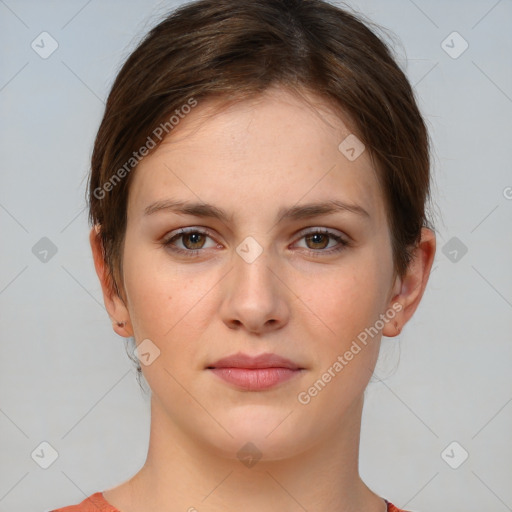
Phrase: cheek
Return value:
(153, 291)
(347, 300)
(167, 301)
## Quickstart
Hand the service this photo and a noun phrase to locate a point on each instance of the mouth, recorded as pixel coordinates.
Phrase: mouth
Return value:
(255, 373)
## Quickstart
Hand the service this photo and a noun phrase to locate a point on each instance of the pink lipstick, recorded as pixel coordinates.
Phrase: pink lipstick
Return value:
(255, 373)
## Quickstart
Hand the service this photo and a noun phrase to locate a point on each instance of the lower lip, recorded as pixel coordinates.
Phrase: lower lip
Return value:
(255, 379)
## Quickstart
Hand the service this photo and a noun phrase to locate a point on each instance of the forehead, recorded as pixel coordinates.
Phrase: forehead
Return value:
(272, 150)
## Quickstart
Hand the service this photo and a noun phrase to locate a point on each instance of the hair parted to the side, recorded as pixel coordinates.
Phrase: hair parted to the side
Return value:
(236, 49)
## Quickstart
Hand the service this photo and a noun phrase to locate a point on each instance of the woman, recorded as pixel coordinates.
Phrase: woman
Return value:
(257, 201)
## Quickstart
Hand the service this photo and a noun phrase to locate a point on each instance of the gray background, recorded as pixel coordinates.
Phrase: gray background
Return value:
(65, 378)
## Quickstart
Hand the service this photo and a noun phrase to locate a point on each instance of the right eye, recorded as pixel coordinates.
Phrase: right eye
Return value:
(193, 241)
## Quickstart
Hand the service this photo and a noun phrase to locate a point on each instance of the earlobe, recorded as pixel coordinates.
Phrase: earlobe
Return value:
(115, 307)
(123, 328)
(394, 327)
(409, 289)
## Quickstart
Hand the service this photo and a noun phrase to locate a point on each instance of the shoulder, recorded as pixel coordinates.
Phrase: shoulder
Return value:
(392, 508)
(97, 503)
(94, 503)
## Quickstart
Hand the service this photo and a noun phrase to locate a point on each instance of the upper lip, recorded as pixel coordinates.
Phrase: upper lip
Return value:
(266, 360)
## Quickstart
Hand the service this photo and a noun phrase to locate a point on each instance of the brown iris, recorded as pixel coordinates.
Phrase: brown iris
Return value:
(317, 239)
(197, 240)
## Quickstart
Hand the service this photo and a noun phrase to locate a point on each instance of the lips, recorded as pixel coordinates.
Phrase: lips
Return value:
(255, 373)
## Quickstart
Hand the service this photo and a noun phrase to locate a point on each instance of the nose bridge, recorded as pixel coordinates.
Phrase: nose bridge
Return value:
(253, 262)
(255, 298)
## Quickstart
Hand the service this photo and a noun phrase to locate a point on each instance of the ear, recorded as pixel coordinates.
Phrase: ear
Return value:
(408, 290)
(115, 306)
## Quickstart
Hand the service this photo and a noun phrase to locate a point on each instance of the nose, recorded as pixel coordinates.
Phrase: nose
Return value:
(255, 296)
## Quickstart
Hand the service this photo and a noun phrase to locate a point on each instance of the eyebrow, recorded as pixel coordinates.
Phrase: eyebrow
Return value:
(298, 212)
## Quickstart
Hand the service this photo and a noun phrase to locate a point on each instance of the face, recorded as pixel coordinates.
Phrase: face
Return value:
(290, 259)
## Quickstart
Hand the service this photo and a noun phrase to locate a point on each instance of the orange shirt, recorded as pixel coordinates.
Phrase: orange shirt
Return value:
(97, 503)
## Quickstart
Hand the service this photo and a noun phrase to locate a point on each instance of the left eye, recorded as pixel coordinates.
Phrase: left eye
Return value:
(320, 240)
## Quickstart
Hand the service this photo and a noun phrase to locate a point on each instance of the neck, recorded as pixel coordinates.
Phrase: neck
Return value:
(182, 474)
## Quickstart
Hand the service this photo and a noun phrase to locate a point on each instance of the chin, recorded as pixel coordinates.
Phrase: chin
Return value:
(262, 433)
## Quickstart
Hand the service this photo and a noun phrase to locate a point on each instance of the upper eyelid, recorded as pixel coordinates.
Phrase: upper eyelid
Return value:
(315, 229)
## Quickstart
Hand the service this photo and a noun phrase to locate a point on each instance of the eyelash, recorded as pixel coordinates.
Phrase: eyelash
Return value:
(195, 252)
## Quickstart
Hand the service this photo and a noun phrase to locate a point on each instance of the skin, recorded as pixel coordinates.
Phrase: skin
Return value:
(251, 159)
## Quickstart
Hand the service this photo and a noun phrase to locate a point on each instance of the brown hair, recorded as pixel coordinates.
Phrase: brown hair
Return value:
(235, 49)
